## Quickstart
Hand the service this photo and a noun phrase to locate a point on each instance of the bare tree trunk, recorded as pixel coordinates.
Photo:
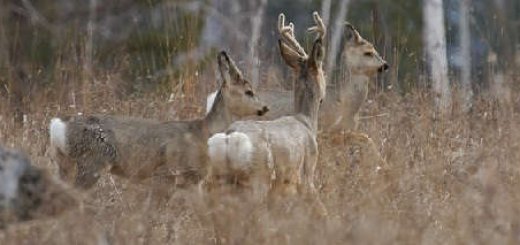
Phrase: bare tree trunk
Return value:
(256, 27)
(325, 11)
(382, 42)
(434, 35)
(213, 30)
(465, 54)
(335, 40)
(505, 31)
(499, 85)
(4, 46)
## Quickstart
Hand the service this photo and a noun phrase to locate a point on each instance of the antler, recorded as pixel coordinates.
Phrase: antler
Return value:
(287, 36)
(319, 28)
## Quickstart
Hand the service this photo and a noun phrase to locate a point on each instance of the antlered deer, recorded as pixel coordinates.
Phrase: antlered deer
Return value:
(277, 157)
(340, 110)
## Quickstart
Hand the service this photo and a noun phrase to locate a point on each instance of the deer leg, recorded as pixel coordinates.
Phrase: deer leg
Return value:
(319, 207)
(310, 189)
(66, 167)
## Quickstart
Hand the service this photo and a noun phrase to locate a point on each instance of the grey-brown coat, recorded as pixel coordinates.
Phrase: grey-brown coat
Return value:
(277, 157)
(134, 147)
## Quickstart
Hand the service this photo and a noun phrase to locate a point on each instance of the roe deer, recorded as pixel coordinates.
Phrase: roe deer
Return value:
(134, 148)
(278, 156)
(27, 192)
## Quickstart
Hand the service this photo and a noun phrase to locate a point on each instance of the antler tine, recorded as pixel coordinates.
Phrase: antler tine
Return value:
(319, 28)
(281, 22)
(291, 29)
(287, 35)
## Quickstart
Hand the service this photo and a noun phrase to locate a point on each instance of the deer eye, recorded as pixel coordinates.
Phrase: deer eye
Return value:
(250, 93)
(368, 54)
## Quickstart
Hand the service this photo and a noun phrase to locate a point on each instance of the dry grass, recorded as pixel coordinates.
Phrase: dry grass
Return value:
(447, 180)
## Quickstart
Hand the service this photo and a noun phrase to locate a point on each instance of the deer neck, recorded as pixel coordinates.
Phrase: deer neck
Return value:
(307, 103)
(219, 117)
(353, 75)
(353, 83)
(358, 78)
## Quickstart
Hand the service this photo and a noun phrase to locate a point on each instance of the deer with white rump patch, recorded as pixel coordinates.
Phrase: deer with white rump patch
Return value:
(339, 115)
(134, 148)
(277, 157)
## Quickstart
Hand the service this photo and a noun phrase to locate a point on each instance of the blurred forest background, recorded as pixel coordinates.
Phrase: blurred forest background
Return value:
(67, 51)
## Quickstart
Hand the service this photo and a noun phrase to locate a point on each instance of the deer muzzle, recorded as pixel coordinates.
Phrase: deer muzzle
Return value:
(262, 112)
(383, 68)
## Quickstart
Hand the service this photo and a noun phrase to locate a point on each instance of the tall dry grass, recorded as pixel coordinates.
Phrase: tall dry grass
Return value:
(447, 179)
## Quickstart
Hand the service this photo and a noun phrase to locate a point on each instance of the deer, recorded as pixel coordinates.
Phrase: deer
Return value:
(339, 116)
(134, 148)
(362, 63)
(277, 157)
(28, 192)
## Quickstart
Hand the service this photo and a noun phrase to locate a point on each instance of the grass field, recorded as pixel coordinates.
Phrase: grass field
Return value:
(447, 180)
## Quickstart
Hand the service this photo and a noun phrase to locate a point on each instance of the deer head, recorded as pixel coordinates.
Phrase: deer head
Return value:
(360, 55)
(236, 91)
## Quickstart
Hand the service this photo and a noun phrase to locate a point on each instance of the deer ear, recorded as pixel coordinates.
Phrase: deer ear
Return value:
(229, 71)
(224, 68)
(351, 34)
(318, 53)
(291, 57)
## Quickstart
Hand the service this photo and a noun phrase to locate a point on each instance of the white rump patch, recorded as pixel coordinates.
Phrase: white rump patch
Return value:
(210, 100)
(236, 148)
(217, 148)
(240, 149)
(58, 134)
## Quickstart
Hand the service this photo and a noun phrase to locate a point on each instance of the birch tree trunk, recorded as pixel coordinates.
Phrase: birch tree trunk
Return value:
(465, 55)
(256, 28)
(434, 38)
(335, 40)
(325, 11)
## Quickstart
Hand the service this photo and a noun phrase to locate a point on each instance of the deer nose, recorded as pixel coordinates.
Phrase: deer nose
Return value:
(383, 68)
(264, 110)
